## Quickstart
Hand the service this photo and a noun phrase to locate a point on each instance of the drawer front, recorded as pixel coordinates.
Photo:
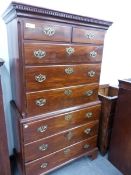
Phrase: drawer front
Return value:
(37, 53)
(43, 165)
(88, 36)
(46, 77)
(52, 144)
(55, 99)
(49, 31)
(43, 128)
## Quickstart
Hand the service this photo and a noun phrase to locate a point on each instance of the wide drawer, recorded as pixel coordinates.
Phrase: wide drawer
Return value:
(81, 35)
(47, 77)
(38, 30)
(54, 143)
(44, 165)
(37, 53)
(55, 99)
(45, 127)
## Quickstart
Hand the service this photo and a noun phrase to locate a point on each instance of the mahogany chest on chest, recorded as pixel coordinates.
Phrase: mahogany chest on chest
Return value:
(55, 63)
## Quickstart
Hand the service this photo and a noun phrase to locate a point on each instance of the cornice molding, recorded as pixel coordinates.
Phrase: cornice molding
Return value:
(25, 8)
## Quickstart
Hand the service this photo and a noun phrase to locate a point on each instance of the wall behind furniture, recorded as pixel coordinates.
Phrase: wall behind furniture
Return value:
(116, 57)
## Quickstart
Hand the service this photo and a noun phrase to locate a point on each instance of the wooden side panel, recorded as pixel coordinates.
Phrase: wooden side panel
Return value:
(108, 91)
(106, 123)
(113, 91)
(108, 97)
(16, 64)
(18, 138)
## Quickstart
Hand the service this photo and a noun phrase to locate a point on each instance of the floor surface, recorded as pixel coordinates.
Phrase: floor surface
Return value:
(84, 166)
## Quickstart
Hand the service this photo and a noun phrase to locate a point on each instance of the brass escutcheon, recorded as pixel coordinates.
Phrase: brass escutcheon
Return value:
(69, 135)
(91, 73)
(43, 147)
(50, 31)
(70, 50)
(87, 131)
(68, 92)
(39, 53)
(89, 114)
(44, 165)
(68, 117)
(89, 93)
(40, 78)
(40, 102)
(42, 128)
(90, 36)
(69, 70)
(93, 54)
(86, 146)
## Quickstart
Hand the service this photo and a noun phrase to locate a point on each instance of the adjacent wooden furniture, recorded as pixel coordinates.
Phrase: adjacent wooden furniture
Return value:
(120, 147)
(55, 61)
(108, 96)
(4, 153)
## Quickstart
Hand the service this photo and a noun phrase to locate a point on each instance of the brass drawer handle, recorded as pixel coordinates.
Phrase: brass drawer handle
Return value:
(91, 73)
(93, 54)
(44, 165)
(87, 131)
(86, 146)
(69, 70)
(89, 114)
(42, 128)
(49, 31)
(40, 78)
(43, 147)
(39, 54)
(69, 135)
(40, 102)
(68, 92)
(70, 50)
(90, 36)
(89, 93)
(67, 151)
(68, 117)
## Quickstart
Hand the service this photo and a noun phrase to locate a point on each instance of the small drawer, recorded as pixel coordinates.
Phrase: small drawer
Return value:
(49, 77)
(45, 127)
(50, 31)
(54, 143)
(44, 165)
(55, 99)
(88, 36)
(45, 53)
